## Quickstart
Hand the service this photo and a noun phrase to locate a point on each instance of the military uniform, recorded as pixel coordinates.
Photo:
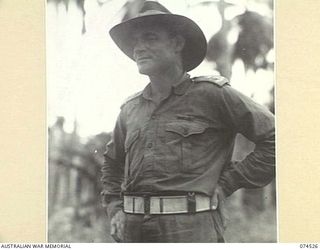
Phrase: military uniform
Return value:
(181, 146)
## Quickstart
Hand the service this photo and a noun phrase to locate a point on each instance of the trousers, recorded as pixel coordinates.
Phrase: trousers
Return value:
(170, 228)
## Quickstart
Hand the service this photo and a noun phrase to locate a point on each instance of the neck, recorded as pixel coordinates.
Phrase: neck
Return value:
(162, 83)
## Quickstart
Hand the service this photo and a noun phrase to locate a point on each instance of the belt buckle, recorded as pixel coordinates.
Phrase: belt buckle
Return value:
(191, 202)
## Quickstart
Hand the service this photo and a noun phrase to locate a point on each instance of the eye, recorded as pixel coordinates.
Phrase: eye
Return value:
(151, 37)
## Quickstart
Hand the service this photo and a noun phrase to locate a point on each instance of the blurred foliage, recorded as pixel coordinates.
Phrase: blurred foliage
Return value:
(248, 225)
(255, 40)
(79, 4)
(132, 8)
(65, 226)
(75, 211)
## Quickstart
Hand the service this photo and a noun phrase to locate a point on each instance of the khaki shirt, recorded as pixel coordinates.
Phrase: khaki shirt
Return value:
(186, 142)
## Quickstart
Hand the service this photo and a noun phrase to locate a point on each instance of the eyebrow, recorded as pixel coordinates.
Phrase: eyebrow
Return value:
(149, 33)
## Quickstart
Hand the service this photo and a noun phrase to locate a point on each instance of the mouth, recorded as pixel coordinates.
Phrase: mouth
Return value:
(143, 58)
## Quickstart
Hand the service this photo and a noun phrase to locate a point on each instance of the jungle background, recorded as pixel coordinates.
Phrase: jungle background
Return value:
(88, 79)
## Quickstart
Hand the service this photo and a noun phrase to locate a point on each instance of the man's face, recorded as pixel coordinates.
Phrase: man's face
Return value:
(155, 51)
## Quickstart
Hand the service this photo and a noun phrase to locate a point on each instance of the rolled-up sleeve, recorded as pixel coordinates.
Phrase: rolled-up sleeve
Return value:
(256, 123)
(113, 169)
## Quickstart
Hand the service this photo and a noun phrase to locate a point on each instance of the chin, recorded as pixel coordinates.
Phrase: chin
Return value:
(144, 70)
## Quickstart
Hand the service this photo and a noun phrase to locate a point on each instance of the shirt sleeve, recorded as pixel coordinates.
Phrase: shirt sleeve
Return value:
(256, 123)
(113, 169)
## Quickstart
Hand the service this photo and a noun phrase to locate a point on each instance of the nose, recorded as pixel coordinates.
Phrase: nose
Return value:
(138, 48)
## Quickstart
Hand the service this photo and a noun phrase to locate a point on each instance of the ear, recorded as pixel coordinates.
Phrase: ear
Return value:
(179, 43)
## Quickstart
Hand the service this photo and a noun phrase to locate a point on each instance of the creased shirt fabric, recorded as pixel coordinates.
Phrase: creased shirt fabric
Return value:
(186, 143)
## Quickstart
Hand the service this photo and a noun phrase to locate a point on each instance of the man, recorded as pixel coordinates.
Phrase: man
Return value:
(168, 167)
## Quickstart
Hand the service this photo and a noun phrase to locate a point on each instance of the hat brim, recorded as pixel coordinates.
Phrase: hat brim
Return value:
(195, 47)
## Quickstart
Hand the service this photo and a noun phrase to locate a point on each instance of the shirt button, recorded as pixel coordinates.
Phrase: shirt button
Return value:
(185, 131)
(149, 145)
(153, 117)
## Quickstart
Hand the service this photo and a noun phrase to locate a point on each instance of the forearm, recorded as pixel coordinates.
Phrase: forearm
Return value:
(255, 171)
(112, 177)
(113, 169)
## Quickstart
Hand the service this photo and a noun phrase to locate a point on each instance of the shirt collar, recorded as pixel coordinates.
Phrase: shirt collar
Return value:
(179, 88)
(146, 93)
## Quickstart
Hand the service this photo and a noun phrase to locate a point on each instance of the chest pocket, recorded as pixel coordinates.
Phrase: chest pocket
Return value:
(188, 140)
(131, 138)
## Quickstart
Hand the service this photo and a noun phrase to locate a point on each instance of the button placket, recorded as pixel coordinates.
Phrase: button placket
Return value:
(150, 136)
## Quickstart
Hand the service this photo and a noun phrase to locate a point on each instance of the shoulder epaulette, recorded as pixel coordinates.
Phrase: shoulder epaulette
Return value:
(217, 80)
(130, 98)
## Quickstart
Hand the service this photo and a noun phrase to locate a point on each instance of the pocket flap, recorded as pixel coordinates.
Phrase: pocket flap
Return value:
(186, 129)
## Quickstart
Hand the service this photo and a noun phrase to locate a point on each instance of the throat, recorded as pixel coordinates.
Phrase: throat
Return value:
(161, 86)
(160, 95)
